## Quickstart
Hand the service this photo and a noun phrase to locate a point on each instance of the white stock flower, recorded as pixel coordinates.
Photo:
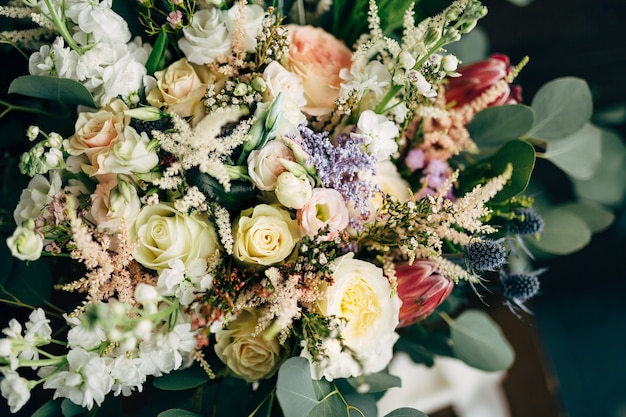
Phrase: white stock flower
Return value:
(36, 196)
(80, 336)
(125, 76)
(85, 380)
(253, 23)
(37, 328)
(362, 296)
(97, 20)
(167, 350)
(184, 285)
(126, 376)
(15, 389)
(374, 77)
(132, 155)
(207, 38)
(378, 134)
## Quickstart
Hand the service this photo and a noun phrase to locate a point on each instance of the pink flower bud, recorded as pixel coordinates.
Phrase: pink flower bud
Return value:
(477, 77)
(421, 290)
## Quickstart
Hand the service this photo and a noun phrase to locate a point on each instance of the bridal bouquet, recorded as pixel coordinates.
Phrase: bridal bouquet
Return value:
(248, 214)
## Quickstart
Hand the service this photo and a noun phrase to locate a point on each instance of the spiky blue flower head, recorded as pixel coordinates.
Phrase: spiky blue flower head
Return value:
(528, 222)
(485, 255)
(521, 286)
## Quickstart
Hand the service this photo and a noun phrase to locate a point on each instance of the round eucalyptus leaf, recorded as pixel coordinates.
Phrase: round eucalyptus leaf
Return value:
(494, 126)
(579, 154)
(479, 342)
(564, 232)
(597, 217)
(562, 106)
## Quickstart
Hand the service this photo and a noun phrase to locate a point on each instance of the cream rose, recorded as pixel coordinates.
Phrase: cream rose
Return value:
(181, 87)
(317, 57)
(264, 235)
(279, 80)
(162, 233)
(326, 208)
(264, 165)
(133, 155)
(95, 133)
(292, 191)
(25, 244)
(249, 355)
(362, 296)
(207, 38)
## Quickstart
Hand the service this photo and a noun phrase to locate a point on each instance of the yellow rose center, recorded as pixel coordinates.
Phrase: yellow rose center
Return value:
(359, 305)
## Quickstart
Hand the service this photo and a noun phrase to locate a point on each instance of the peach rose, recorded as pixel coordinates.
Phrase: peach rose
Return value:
(317, 57)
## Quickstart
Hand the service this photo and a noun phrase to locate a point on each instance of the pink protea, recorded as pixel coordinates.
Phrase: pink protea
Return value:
(477, 77)
(421, 290)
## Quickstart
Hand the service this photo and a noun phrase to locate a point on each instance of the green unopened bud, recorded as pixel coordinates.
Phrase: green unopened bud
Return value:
(241, 89)
(432, 35)
(294, 167)
(274, 114)
(146, 113)
(239, 172)
(259, 84)
(55, 140)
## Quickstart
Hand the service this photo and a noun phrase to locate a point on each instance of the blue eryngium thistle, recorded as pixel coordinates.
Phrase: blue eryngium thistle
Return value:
(485, 255)
(520, 287)
(528, 222)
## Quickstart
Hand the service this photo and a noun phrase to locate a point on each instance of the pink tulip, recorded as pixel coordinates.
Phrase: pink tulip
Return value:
(421, 290)
(477, 77)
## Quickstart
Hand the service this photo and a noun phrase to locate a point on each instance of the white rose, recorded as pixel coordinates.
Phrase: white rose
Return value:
(207, 38)
(279, 80)
(362, 296)
(162, 233)
(292, 191)
(326, 208)
(25, 244)
(253, 23)
(264, 235)
(133, 155)
(113, 202)
(264, 165)
(37, 195)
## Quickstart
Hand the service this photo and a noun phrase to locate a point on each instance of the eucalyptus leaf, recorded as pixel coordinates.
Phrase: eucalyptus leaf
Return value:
(330, 405)
(52, 88)
(494, 126)
(564, 232)
(562, 106)
(479, 342)
(579, 154)
(294, 388)
(49, 409)
(181, 380)
(378, 382)
(406, 412)
(597, 217)
(521, 155)
(365, 404)
(178, 412)
(608, 184)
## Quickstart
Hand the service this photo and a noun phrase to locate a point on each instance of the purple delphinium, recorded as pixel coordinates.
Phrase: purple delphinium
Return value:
(339, 166)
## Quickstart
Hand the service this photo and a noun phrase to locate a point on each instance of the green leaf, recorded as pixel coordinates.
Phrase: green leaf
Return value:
(49, 409)
(494, 126)
(294, 388)
(564, 232)
(365, 404)
(70, 409)
(479, 342)
(241, 194)
(378, 382)
(579, 154)
(406, 412)
(608, 184)
(597, 217)
(181, 380)
(52, 88)
(562, 106)
(472, 47)
(156, 60)
(521, 155)
(178, 412)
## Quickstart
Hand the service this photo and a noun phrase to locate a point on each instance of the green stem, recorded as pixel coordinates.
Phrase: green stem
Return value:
(61, 27)
(11, 107)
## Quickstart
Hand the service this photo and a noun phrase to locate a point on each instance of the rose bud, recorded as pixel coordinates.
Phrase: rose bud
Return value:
(477, 77)
(421, 290)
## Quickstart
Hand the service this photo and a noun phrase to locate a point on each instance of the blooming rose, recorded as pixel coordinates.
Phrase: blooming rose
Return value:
(163, 233)
(326, 208)
(264, 235)
(181, 87)
(279, 80)
(252, 24)
(95, 133)
(248, 354)
(133, 155)
(264, 165)
(317, 57)
(421, 290)
(207, 38)
(25, 244)
(362, 296)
